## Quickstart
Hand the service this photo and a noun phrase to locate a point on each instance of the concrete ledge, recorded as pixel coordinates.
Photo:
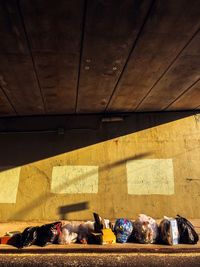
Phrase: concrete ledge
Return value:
(114, 248)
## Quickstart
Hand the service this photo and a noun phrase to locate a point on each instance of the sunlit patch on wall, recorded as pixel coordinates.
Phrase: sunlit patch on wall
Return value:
(150, 176)
(74, 179)
(9, 181)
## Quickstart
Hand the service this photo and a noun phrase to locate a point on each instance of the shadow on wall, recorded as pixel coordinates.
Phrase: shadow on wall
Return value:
(63, 211)
(29, 139)
(46, 195)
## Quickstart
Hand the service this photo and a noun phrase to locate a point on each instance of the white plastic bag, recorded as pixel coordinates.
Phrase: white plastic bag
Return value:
(67, 235)
(72, 232)
(145, 229)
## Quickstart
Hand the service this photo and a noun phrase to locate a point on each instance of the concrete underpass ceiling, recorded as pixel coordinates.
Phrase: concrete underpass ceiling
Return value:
(96, 56)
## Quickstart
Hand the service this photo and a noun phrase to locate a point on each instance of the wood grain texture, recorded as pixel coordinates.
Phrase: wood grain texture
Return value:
(18, 78)
(20, 84)
(95, 56)
(11, 31)
(5, 107)
(110, 31)
(54, 31)
(189, 100)
(182, 74)
(170, 26)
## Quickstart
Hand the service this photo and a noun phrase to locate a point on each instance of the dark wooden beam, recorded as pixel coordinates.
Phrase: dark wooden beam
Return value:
(21, 85)
(188, 100)
(170, 26)
(54, 32)
(16, 68)
(6, 108)
(110, 32)
(182, 74)
(11, 32)
(197, 108)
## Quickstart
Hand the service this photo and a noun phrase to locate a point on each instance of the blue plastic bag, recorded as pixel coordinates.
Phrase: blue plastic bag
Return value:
(123, 229)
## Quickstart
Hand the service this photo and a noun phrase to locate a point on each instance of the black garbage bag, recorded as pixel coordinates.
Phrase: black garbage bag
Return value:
(48, 233)
(15, 240)
(28, 237)
(187, 233)
(164, 232)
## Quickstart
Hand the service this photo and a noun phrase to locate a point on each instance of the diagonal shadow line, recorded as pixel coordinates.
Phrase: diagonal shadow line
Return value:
(43, 196)
(79, 132)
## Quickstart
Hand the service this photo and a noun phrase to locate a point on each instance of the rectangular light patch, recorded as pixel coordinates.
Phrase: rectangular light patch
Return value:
(9, 181)
(74, 179)
(150, 176)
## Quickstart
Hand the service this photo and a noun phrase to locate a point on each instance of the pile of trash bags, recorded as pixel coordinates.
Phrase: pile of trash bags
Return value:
(143, 230)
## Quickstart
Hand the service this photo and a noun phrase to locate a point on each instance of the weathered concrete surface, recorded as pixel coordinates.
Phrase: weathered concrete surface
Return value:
(137, 259)
(135, 138)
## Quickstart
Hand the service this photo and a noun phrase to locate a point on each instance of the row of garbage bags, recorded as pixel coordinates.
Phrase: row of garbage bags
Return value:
(144, 230)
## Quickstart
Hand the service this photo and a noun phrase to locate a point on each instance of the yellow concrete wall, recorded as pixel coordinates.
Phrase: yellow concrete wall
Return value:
(178, 141)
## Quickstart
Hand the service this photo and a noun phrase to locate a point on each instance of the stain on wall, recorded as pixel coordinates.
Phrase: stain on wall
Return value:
(174, 144)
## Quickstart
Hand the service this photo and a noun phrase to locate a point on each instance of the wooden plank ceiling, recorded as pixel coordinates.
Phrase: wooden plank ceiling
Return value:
(98, 56)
